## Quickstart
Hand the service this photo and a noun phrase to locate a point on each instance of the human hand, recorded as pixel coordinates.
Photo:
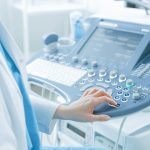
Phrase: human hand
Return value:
(82, 109)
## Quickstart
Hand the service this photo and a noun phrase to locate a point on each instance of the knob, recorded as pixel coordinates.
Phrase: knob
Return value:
(122, 77)
(129, 83)
(84, 62)
(91, 73)
(94, 64)
(102, 73)
(50, 43)
(136, 96)
(75, 59)
(113, 74)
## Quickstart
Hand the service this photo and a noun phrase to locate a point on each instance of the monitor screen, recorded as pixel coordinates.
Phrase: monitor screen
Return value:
(110, 46)
(141, 3)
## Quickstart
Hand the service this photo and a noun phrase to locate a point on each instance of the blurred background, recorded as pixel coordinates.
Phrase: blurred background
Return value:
(29, 20)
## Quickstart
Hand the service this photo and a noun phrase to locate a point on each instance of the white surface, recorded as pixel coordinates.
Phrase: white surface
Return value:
(135, 134)
(133, 123)
(117, 10)
(55, 72)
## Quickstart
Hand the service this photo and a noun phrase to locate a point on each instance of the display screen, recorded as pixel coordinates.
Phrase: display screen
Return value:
(76, 130)
(110, 46)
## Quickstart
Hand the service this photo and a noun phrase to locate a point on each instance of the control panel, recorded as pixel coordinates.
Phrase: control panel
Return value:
(113, 56)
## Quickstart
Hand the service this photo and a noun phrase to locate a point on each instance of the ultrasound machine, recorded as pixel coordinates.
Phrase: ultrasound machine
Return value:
(113, 56)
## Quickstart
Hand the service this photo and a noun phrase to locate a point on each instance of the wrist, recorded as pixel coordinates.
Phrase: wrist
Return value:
(61, 112)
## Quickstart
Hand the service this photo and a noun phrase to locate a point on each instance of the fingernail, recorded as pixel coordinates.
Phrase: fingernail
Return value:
(115, 102)
(113, 105)
(108, 117)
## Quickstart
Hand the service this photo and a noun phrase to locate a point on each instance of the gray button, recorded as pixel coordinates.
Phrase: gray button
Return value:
(126, 95)
(122, 77)
(91, 80)
(113, 74)
(108, 80)
(114, 83)
(100, 79)
(82, 82)
(119, 92)
(136, 96)
(125, 89)
(116, 98)
(91, 73)
(124, 99)
(118, 87)
(102, 73)
(75, 59)
(94, 64)
(84, 62)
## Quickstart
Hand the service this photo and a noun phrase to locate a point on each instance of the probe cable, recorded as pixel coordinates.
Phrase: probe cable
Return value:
(119, 133)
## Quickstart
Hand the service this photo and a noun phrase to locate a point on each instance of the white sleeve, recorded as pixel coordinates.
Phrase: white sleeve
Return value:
(7, 137)
(44, 111)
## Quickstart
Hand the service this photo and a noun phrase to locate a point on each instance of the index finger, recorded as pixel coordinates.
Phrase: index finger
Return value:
(99, 100)
(100, 93)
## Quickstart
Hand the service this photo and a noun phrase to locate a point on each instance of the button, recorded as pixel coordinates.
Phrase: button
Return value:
(75, 59)
(91, 73)
(136, 96)
(118, 87)
(114, 83)
(102, 73)
(119, 92)
(129, 83)
(127, 95)
(86, 87)
(124, 99)
(103, 85)
(107, 80)
(94, 64)
(82, 82)
(84, 61)
(125, 89)
(116, 98)
(113, 74)
(122, 78)
(91, 80)
(100, 79)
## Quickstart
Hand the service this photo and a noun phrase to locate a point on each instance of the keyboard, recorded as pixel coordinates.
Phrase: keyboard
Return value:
(59, 73)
